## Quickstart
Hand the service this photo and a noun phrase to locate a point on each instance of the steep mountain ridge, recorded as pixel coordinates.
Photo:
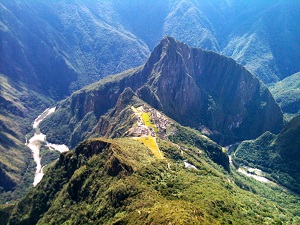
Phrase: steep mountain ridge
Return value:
(187, 85)
(197, 87)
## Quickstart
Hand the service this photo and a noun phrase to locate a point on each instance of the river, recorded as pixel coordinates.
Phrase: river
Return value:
(37, 141)
(254, 173)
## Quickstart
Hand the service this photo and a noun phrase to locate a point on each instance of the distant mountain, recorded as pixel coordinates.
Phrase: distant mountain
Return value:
(194, 87)
(277, 154)
(59, 46)
(261, 35)
(287, 94)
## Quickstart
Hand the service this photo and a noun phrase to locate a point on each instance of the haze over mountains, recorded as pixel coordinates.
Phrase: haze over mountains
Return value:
(50, 51)
(81, 41)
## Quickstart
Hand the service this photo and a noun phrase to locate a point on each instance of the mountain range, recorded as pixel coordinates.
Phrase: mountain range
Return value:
(150, 170)
(197, 88)
(110, 36)
(164, 116)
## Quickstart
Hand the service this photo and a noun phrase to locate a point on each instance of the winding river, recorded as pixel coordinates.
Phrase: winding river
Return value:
(37, 141)
(254, 173)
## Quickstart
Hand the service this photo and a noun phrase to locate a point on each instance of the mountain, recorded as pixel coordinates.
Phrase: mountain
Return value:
(287, 94)
(47, 51)
(194, 87)
(51, 48)
(261, 35)
(277, 154)
(131, 117)
(120, 181)
(59, 46)
(56, 47)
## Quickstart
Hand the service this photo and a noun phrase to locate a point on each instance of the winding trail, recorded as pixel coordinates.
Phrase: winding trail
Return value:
(37, 141)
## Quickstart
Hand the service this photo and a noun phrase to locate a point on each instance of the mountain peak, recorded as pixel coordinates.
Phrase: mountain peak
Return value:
(169, 41)
(167, 46)
(194, 87)
(171, 45)
(190, 85)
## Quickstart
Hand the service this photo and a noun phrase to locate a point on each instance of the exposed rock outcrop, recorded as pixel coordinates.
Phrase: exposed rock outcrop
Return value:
(196, 88)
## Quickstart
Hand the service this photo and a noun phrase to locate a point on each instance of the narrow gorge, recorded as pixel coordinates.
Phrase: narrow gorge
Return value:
(37, 141)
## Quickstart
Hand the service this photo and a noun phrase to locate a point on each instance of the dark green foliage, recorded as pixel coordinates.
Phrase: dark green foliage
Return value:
(191, 137)
(18, 108)
(48, 156)
(79, 189)
(287, 94)
(276, 154)
(5, 212)
(56, 126)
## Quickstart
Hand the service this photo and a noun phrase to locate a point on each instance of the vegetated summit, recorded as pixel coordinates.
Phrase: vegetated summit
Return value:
(196, 88)
(286, 92)
(49, 48)
(159, 173)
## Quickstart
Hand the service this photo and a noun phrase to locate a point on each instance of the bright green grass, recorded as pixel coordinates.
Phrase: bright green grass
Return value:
(150, 142)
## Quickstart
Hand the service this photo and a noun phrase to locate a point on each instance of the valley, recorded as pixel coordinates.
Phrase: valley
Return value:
(149, 112)
(254, 173)
(37, 141)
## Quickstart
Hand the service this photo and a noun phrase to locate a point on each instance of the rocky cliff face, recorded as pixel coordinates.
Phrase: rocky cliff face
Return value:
(202, 88)
(197, 88)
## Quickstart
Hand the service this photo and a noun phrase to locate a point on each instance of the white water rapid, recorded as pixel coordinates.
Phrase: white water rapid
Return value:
(37, 140)
(254, 173)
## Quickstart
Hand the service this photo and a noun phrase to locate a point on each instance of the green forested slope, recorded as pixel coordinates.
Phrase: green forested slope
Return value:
(19, 106)
(120, 182)
(278, 155)
(287, 93)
